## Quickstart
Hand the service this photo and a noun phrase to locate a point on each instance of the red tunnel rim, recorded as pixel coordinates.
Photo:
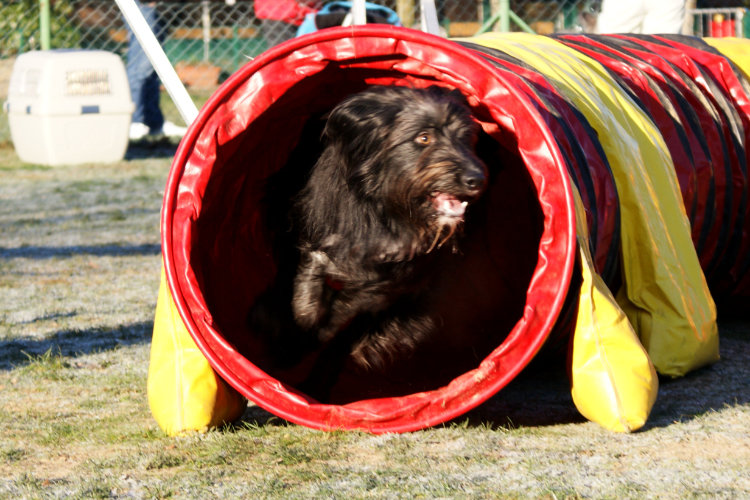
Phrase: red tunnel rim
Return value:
(488, 389)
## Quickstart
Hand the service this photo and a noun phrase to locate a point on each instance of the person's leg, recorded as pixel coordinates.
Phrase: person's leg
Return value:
(151, 107)
(142, 78)
(137, 66)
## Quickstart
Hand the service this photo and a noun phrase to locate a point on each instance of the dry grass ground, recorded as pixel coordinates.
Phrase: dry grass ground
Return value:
(79, 271)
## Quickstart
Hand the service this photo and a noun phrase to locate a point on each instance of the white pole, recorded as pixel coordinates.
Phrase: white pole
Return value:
(154, 52)
(429, 17)
(206, 22)
(359, 12)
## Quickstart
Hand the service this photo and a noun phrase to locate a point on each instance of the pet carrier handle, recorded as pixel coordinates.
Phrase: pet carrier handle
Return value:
(155, 53)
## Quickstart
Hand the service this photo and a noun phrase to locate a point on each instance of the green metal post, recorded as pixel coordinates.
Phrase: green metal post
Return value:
(504, 16)
(487, 26)
(520, 22)
(44, 24)
(235, 48)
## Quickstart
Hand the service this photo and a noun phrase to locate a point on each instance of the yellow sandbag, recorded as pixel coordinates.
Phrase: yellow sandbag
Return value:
(184, 392)
(664, 295)
(613, 382)
(735, 49)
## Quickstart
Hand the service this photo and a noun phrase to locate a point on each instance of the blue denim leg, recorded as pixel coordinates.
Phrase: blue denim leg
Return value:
(142, 78)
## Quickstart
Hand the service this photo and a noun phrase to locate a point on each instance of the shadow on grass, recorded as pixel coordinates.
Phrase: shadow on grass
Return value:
(161, 147)
(542, 397)
(538, 396)
(17, 353)
(255, 416)
(712, 388)
(109, 250)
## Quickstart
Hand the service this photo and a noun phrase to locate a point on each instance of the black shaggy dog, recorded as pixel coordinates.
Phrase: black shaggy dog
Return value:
(386, 197)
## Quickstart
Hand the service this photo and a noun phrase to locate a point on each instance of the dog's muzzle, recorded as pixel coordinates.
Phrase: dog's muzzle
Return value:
(448, 205)
(473, 181)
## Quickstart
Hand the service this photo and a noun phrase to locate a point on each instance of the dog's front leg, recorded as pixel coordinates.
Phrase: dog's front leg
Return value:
(308, 303)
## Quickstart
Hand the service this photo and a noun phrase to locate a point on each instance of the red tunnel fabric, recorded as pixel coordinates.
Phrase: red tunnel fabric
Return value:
(218, 251)
(699, 100)
(217, 256)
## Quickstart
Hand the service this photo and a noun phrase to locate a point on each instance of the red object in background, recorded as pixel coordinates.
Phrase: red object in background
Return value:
(727, 28)
(721, 26)
(717, 29)
(289, 11)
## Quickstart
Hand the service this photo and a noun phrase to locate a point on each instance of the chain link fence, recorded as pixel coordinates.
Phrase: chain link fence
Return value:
(206, 40)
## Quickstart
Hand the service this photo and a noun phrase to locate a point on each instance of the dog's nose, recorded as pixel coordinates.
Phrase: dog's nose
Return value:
(474, 180)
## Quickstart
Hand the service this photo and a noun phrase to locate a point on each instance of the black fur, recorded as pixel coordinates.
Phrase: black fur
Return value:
(385, 198)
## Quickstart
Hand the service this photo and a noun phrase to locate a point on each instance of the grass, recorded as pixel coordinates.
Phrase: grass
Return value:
(79, 272)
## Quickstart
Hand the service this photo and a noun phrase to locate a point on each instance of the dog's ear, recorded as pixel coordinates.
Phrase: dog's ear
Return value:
(444, 92)
(361, 123)
(358, 129)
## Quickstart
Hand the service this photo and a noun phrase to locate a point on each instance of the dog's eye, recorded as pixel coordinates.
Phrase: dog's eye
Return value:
(424, 139)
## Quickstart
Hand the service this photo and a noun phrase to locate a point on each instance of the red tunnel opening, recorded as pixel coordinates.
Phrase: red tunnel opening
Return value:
(498, 303)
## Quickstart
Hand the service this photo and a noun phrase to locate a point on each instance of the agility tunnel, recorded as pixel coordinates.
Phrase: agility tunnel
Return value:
(618, 198)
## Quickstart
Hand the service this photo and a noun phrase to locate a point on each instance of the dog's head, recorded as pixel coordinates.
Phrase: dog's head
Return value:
(411, 152)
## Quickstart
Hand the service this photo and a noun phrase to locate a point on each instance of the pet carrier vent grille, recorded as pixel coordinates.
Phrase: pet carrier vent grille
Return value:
(87, 82)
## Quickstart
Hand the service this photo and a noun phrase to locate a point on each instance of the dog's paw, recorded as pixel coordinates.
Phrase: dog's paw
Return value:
(391, 339)
(309, 301)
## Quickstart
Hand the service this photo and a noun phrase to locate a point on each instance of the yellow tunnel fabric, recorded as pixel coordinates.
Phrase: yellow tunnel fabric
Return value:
(184, 392)
(665, 294)
(735, 49)
(613, 381)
